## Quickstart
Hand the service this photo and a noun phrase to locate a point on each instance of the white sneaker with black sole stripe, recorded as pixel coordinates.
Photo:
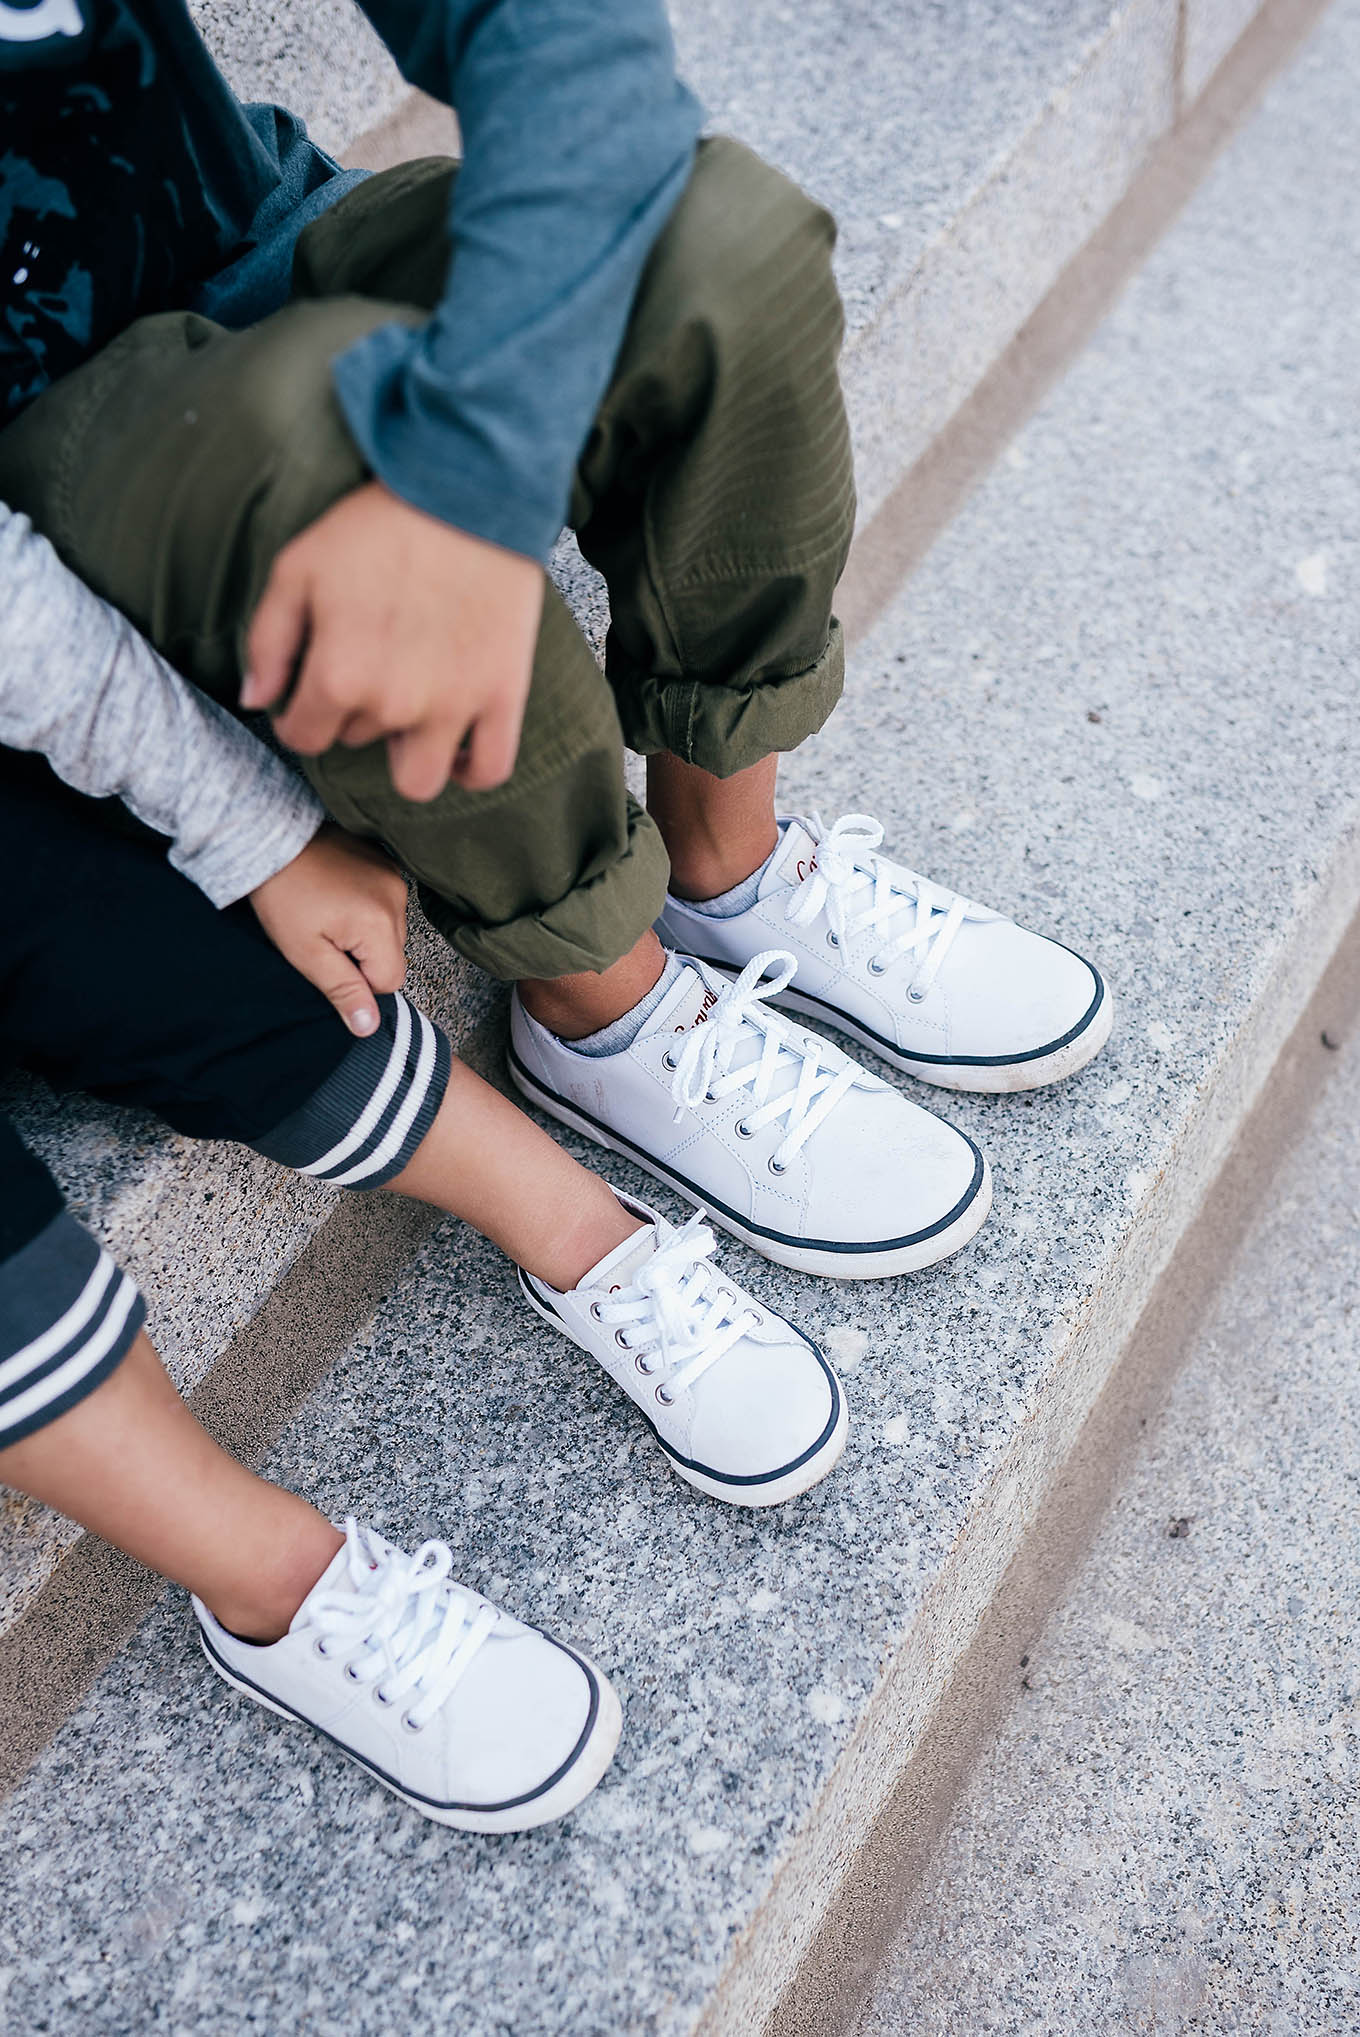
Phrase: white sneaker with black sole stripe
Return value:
(464, 1713)
(782, 1139)
(943, 989)
(744, 1406)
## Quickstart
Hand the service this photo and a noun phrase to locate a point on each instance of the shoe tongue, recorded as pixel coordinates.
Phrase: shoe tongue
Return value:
(690, 1004)
(617, 1268)
(797, 855)
(687, 1004)
(335, 1577)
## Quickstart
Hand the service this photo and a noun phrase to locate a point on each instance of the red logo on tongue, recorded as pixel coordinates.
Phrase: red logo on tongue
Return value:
(805, 870)
(700, 1016)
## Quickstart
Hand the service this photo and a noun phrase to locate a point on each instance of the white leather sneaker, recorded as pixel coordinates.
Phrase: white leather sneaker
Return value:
(941, 988)
(784, 1140)
(745, 1407)
(461, 1711)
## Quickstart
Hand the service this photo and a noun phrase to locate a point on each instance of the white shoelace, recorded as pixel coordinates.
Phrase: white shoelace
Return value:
(860, 890)
(703, 1071)
(684, 1316)
(409, 1629)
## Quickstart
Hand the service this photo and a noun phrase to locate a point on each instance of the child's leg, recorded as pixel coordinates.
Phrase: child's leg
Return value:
(485, 1161)
(132, 1464)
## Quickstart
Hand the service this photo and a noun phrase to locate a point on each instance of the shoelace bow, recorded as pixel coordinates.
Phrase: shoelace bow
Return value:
(846, 870)
(703, 1070)
(412, 1629)
(687, 1315)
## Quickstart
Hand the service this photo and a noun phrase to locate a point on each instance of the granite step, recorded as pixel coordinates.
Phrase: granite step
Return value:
(967, 152)
(1118, 700)
(1162, 1837)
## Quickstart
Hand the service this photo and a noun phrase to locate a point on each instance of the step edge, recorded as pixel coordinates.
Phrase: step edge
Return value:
(894, 1860)
(945, 250)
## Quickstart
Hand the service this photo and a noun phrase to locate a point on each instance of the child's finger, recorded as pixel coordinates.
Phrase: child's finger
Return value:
(421, 759)
(340, 979)
(492, 748)
(275, 641)
(380, 952)
(317, 709)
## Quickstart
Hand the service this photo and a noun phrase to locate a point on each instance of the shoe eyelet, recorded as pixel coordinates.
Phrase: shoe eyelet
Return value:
(916, 996)
(778, 1166)
(622, 1341)
(408, 1724)
(876, 968)
(596, 1313)
(709, 1097)
(833, 939)
(743, 1130)
(380, 1697)
(668, 1061)
(643, 1367)
(664, 1399)
(351, 1672)
(319, 1648)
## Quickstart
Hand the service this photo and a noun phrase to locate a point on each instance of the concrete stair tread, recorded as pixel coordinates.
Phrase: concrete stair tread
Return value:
(1148, 555)
(966, 152)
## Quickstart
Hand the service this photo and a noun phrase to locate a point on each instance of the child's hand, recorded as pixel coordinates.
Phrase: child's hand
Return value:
(387, 623)
(337, 912)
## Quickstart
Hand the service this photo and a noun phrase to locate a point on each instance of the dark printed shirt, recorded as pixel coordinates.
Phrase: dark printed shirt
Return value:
(116, 193)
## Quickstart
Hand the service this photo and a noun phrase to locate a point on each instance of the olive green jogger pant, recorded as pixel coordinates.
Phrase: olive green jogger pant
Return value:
(714, 494)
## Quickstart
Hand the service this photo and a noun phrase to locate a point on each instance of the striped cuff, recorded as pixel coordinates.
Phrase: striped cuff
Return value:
(67, 1317)
(366, 1120)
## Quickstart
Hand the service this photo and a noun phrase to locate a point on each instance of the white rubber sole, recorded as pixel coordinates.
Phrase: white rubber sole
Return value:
(773, 1491)
(867, 1262)
(1007, 1079)
(569, 1791)
(777, 1490)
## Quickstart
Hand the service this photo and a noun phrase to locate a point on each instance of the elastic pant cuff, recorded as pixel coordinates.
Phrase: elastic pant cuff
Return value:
(589, 928)
(68, 1317)
(726, 728)
(364, 1123)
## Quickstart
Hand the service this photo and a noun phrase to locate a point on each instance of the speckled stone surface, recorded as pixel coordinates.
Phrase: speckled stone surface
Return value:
(1164, 1838)
(1119, 699)
(966, 151)
(1211, 29)
(319, 58)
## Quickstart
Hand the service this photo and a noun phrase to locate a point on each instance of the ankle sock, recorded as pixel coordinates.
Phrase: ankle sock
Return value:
(741, 897)
(621, 1032)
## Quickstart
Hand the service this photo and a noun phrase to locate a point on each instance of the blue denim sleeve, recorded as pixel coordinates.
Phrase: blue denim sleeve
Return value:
(578, 140)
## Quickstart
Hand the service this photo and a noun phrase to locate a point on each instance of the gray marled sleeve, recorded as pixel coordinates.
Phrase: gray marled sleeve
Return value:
(79, 684)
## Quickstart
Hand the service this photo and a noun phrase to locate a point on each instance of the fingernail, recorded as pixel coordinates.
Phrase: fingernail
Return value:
(363, 1021)
(249, 686)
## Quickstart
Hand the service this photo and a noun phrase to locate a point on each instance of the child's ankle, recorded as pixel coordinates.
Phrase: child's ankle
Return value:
(265, 1609)
(598, 1233)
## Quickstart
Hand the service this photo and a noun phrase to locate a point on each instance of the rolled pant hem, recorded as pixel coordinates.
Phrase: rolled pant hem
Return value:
(726, 728)
(589, 929)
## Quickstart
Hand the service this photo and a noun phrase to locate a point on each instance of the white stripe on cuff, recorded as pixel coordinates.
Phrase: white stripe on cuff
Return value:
(379, 1100)
(66, 1326)
(405, 1117)
(84, 1360)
